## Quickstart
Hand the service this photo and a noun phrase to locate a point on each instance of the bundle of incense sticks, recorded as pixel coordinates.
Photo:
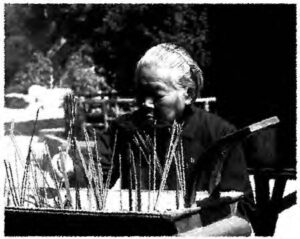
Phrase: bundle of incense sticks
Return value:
(170, 155)
(25, 175)
(146, 147)
(93, 171)
(11, 183)
(97, 189)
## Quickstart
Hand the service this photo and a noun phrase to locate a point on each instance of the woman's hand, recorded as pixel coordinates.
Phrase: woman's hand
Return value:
(232, 226)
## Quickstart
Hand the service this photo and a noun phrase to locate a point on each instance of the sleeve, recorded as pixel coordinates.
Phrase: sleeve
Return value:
(232, 176)
(234, 172)
(227, 163)
(235, 178)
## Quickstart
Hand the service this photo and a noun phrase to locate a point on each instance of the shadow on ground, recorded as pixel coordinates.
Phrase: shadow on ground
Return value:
(25, 128)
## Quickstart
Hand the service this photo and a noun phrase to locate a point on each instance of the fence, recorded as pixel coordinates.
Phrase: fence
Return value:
(100, 111)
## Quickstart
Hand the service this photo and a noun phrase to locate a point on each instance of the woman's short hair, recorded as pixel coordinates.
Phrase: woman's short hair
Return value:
(175, 57)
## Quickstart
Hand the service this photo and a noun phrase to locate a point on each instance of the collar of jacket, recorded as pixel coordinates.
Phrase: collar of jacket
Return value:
(191, 121)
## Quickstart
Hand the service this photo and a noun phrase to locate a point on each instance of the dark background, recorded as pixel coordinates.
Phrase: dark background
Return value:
(253, 71)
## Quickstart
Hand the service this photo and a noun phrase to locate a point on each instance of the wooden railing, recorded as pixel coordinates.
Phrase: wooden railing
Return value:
(107, 109)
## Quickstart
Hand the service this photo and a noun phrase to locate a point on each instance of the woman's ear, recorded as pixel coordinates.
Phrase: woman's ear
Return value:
(188, 97)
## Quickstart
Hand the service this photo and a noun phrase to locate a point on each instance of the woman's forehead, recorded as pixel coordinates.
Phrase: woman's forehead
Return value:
(153, 74)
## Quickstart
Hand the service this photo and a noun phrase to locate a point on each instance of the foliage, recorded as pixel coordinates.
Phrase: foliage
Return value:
(17, 51)
(118, 34)
(38, 71)
(26, 30)
(80, 74)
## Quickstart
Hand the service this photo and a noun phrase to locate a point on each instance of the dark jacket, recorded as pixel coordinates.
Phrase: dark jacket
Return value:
(201, 129)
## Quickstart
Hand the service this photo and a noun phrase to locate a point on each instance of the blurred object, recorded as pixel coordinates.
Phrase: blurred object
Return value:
(206, 103)
(54, 142)
(269, 204)
(80, 73)
(47, 98)
(56, 163)
(35, 93)
(74, 117)
(16, 101)
(56, 47)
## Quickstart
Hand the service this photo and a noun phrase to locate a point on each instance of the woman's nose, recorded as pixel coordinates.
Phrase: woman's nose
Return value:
(148, 102)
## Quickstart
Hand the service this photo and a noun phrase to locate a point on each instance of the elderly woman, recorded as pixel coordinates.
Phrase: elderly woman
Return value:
(139, 144)
(168, 81)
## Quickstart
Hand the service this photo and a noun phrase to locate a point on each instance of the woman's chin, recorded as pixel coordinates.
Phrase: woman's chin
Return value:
(167, 118)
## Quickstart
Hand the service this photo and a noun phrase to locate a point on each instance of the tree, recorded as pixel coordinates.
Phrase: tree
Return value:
(37, 71)
(26, 31)
(81, 75)
(119, 34)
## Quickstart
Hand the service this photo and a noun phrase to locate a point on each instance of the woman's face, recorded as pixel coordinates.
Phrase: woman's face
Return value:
(159, 94)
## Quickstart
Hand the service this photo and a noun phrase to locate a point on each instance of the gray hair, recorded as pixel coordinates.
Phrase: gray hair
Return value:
(175, 57)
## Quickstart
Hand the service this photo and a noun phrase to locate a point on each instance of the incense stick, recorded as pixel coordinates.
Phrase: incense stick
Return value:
(96, 186)
(169, 156)
(107, 184)
(177, 194)
(10, 184)
(16, 147)
(149, 182)
(121, 177)
(182, 163)
(135, 179)
(24, 180)
(92, 171)
(43, 177)
(77, 197)
(13, 182)
(87, 173)
(139, 176)
(154, 160)
(54, 177)
(35, 184)
(66, 178)
(130, 176)
(99, 169)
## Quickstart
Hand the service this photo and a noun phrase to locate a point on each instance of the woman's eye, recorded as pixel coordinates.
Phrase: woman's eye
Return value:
(159, 100)
(158, 97)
